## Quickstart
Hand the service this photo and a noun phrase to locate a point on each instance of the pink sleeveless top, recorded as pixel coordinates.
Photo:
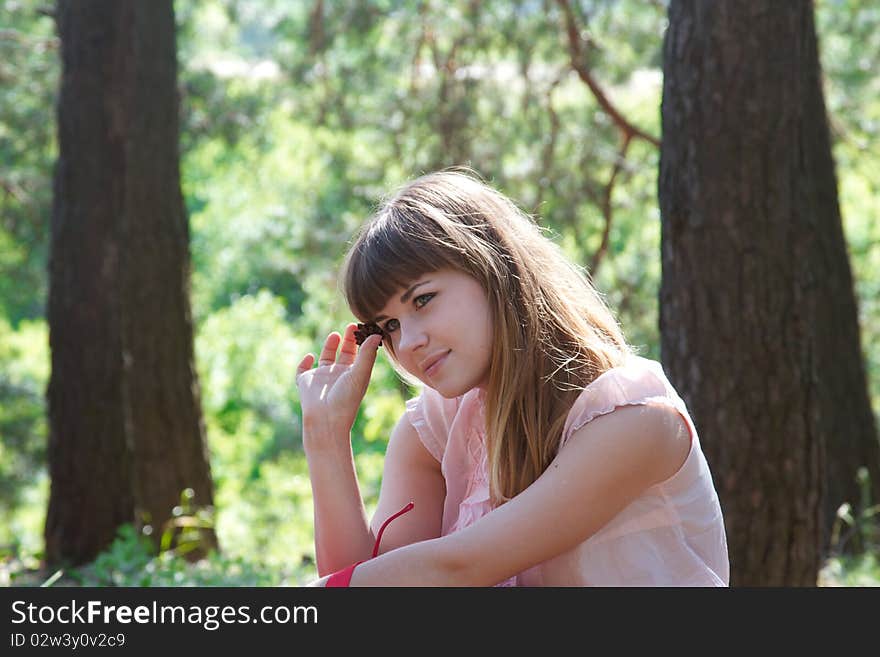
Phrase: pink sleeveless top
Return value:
(672, 535)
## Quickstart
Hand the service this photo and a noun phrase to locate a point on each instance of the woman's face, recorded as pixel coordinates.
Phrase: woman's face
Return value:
(440, 327)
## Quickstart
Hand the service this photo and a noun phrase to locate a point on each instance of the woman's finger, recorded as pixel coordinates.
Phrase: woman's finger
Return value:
(328, 353)
(366, 359)
(305, 364)
(349, 347)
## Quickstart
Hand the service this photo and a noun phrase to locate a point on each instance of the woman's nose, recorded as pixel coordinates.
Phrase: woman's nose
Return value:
(412, 336)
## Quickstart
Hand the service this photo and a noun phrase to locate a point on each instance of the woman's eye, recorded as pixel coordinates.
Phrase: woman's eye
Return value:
(422, 296)
(391, 324)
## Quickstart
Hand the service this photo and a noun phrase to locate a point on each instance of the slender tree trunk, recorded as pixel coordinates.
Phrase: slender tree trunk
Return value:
(126, 435)
(164, 402)
(89, 460)
(758, 322)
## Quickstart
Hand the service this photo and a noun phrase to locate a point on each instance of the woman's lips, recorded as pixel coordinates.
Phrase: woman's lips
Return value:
(436, 366)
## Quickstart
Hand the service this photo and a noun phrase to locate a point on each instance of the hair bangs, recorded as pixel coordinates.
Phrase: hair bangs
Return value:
(388, 257)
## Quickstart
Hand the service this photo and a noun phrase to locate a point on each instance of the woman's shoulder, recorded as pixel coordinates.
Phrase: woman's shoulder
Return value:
(433, 416)
(635, 381)
(635, 378)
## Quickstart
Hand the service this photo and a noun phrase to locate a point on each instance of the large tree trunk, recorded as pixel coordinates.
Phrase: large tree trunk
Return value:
(126, 435)
(757, 312)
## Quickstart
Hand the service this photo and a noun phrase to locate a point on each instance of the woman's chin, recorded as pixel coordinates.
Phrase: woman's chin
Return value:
(452, 389)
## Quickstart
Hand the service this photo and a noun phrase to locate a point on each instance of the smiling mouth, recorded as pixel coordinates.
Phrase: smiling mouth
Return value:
(437, 365)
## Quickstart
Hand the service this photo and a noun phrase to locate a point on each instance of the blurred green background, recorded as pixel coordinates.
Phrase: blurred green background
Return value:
(296, 118)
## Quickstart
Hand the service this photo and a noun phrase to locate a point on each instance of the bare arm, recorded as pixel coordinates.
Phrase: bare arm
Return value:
(342, 535)
(410, 474)
(609, 462)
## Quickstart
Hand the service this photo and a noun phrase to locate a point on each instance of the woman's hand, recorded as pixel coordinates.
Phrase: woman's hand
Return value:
(331, 393)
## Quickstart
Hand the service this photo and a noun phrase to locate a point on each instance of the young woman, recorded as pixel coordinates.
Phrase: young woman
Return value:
(541, 452)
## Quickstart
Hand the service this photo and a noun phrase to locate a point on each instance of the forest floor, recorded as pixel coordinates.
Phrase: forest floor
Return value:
(857, 571)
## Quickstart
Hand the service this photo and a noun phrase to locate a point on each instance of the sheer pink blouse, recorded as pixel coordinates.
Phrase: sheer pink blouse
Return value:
(672, 535)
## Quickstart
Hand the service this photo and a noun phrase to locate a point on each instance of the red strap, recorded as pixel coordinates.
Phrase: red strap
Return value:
(408, 507)
(343, 577)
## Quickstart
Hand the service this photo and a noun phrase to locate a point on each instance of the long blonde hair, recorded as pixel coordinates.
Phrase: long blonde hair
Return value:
(554, 333)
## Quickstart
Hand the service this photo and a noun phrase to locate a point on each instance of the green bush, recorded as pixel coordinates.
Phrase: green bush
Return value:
(132, 561)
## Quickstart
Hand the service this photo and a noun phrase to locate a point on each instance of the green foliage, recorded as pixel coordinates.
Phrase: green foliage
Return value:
(124, 562)
(28, 78)
(21, 525)
(24, 373)
(856, 529)
(855, 570)
(858, 524)
(849, 33)
(247, 355)
(132, 561)
(184, 531)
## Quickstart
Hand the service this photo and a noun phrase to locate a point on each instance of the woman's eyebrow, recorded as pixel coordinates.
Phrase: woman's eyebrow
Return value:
(403, 299)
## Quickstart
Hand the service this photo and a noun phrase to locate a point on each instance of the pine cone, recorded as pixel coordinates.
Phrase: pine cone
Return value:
(366, 330)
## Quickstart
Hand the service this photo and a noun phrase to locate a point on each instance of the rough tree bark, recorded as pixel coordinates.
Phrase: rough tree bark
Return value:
(126, 432)
(758, 316)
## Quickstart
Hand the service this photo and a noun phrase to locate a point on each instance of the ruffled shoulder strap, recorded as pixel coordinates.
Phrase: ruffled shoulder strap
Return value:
(638, 381)
(431, 415)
